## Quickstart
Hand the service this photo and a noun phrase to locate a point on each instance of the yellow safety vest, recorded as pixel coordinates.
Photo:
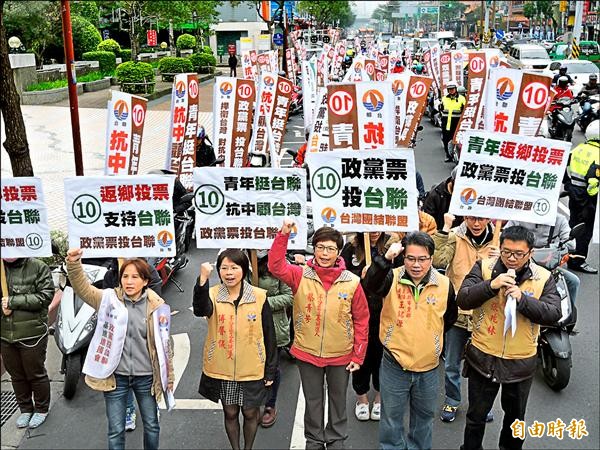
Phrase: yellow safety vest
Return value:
(451, 105)
(582, 157)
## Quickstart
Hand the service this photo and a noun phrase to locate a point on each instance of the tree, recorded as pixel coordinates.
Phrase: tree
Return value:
(16, 144)
(329, 13)
(529, 10)
(257, 5)
(87, 9)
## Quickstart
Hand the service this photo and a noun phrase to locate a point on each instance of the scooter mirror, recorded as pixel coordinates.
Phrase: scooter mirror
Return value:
(577, 231)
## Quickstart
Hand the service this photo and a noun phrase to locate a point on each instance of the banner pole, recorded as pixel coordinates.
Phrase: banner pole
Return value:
(367, 244)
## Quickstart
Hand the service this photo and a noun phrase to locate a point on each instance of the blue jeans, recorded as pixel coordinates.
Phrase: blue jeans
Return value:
(573, 283)
(400, 390)
(116, 405)
(455, 340)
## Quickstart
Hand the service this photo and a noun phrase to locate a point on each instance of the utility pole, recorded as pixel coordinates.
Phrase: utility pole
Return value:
(72, 80)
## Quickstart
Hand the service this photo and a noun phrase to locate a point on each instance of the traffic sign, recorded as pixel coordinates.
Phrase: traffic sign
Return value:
(105, 34)
(499, 34)
(428, 10)
(278, 39)
(313, 39)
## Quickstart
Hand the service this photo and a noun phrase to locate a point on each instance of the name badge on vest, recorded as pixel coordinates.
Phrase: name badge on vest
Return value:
(105, 349)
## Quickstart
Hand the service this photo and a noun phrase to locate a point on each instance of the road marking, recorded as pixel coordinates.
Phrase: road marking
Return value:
(175, 311)
(298, 440)
(196, 403)
(564, 209)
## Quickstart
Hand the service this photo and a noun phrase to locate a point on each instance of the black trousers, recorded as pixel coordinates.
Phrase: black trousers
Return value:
(233, 72)
(361, 379)
(447, 135)
(25, 362)
(482, 393)
(583, 209)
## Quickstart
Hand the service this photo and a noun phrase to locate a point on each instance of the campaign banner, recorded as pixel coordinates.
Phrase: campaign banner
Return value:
(322, 67)
(290, 63)
(24, 230)
(435, 65)
(273, 60)
(383, 61)
(472, 114)
(338, 58)
(416, 101)
(274, 97)
(360, 115)
(183, 128)
(318, 140)
(400, 83)
(263, 61)
(457, 67)
(357, 71)
(124, 129)
(364, 190)
(370, 65)
(509, 177)
(309, 91)
(446, 71)
(233, 106)
(249, 66)
(238, 208)
(122, 216)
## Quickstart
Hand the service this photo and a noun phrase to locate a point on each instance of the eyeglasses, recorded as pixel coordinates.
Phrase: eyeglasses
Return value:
(517, 255)
(323, 248)
(420, 259)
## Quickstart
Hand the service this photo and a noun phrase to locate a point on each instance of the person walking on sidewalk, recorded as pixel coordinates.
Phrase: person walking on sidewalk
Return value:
(24, 336)
(232, 65)
(130, 347)
(331, 323)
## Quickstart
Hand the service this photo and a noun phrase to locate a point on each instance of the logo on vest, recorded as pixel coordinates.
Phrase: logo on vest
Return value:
(251, 317)
(431, 300)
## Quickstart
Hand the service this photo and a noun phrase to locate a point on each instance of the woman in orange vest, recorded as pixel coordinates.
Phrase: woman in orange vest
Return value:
(240, 351)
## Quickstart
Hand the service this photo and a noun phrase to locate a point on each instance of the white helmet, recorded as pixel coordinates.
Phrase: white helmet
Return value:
(592, 132)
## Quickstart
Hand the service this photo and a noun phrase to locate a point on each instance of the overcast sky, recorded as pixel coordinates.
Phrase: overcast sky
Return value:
(365, 9)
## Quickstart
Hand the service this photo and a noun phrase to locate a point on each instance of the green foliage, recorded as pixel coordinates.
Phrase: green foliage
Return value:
(107, 60)
(203, 62)
(85, 36)
(185, 42)
(328, 12)
(125, 54)
(110, 45)
(206, 49)
(60, 240)
(46, 85)
(174, 65)
(135, 72)
(86, 9)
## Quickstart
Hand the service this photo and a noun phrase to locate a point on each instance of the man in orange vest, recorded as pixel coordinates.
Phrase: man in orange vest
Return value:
(511, 297)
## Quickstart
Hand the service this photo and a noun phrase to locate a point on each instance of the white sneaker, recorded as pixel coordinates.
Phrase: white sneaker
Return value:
(376, 411)
(361, 411)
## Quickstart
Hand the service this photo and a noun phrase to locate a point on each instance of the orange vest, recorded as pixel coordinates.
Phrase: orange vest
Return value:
(323, 322)
(234, 348)
(488, 320)
(413, 329)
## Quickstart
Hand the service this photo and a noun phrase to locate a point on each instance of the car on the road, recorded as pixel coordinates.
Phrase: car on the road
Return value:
(558, 50)
(462, 43)
(579, 70)
(590, 51)
(547, 44)
(528, 56)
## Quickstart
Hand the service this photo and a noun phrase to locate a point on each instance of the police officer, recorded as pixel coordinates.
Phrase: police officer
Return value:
(582, 186)
(452, 105)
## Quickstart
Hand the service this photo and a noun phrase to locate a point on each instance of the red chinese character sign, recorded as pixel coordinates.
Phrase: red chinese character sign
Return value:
(233, 106)
(509, 177)
(472, 115)
(364, 190)
(152, 38)
(416, 100)
(24, 230)
(181, 149)
(121, 216)
(126, 115)
(249, 65)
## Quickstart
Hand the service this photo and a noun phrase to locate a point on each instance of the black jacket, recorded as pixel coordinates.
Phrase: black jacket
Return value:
(475, 291)
(437, 203)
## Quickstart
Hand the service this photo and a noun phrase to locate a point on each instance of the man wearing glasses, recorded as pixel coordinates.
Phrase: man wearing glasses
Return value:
(418, 306)
(458, 249)
(510, 297)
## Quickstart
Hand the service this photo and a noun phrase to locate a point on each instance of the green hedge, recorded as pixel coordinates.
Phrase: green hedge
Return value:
(107, 60)
(85, 36)
(136, 72)
(125, 54)
(185, 42)
(110, 45)
(174, 65)
(46, 85)
(207, 49)
(203, 62)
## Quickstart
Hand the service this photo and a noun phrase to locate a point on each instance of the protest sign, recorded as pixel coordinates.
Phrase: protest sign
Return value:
(364, 190)
(183, 128)
(249, 66)
(456, 67)
(416, 101)
(318, 140)
(509, 177)
(241, 208)
(472, 115)
(124, 128)
(360, 115)
(233, 106)
(121, 216)
(309, 91)
(24, 230)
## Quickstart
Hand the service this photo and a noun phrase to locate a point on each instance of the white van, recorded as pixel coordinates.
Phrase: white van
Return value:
(528, 56)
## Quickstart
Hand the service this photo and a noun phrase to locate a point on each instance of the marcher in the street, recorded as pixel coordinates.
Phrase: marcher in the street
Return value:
(354, 257)
(135, 321)
(240, 351)
(232, 65)
(582, 187)
(331, 322)
(24, 336)
(280, 298)
(418, 306)
(437, 201)
(497, 357)
(456, 250)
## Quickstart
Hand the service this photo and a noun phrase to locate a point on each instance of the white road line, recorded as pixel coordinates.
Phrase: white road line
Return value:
(298, 440)
(563, 208)
(196, 403)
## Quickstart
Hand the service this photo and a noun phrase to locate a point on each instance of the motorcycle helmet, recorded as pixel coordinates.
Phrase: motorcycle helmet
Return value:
(398, 63)
(592, 132)
(201, 132)
(451, 85)
(563, 69)
(461, 90)
(593, 77)
(563, 82)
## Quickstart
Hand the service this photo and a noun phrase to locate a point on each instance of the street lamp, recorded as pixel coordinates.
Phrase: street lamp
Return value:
(14, 43)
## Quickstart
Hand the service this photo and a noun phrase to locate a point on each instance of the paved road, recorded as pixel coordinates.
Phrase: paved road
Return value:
(197, 423)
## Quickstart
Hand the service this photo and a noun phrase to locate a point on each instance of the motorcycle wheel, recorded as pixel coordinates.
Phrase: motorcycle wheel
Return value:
(557, 372)
(568, 135)
(72, 374)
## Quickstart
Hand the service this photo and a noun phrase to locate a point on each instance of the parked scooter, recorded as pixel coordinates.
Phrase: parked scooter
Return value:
(433, 109)
(554, 346)
(561, 120)
(589, 110)
(75, 325)
(297, 100)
